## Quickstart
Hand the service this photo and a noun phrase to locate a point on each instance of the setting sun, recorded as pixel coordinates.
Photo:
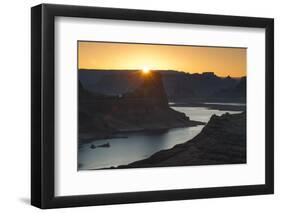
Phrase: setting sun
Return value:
(145, 70)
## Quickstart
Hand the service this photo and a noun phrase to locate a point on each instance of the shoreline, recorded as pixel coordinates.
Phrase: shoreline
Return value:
(206, 140)
(223, 136)
(215, 106)
(114, 135)
(118, 134)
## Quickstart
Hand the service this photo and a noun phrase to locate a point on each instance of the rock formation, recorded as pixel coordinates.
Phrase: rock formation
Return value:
(222, 141)
(179, 86)
(145, 108)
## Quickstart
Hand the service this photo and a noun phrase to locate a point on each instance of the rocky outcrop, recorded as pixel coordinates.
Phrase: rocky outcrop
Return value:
(145, 108)
(150, 91)
(222, 141)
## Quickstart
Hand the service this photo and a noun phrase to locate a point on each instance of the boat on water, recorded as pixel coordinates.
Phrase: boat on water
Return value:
(106, 145)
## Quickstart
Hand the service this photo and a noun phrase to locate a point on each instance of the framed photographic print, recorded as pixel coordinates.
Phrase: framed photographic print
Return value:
(140, 106)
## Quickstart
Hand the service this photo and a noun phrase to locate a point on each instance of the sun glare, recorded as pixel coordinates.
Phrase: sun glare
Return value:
(145, 70)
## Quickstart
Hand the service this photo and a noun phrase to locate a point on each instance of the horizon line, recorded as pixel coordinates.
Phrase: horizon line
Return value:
(181, 71)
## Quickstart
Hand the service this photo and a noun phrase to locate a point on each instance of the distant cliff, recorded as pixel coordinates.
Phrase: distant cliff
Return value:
(237, 93)
(110, 82)
(144, 108)
(222, 141)
(187, 87)
(179, 86)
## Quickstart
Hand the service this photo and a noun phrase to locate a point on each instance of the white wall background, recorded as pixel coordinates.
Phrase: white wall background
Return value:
(15, 105)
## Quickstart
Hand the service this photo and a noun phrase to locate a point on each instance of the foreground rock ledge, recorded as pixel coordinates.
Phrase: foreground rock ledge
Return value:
(222, 141)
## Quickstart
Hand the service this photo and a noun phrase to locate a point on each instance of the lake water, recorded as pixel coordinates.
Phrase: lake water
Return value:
(140, 145)
(226, 104)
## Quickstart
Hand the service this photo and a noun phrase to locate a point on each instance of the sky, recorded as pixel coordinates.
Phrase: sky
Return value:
(223, 61)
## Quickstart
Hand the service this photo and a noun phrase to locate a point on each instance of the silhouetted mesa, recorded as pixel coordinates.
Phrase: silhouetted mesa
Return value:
(144, 108)
(222, 141)
(179, 86)
(198, 88)
(237, 92)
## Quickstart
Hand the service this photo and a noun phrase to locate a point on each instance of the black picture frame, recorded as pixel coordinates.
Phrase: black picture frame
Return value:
(43, 117)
